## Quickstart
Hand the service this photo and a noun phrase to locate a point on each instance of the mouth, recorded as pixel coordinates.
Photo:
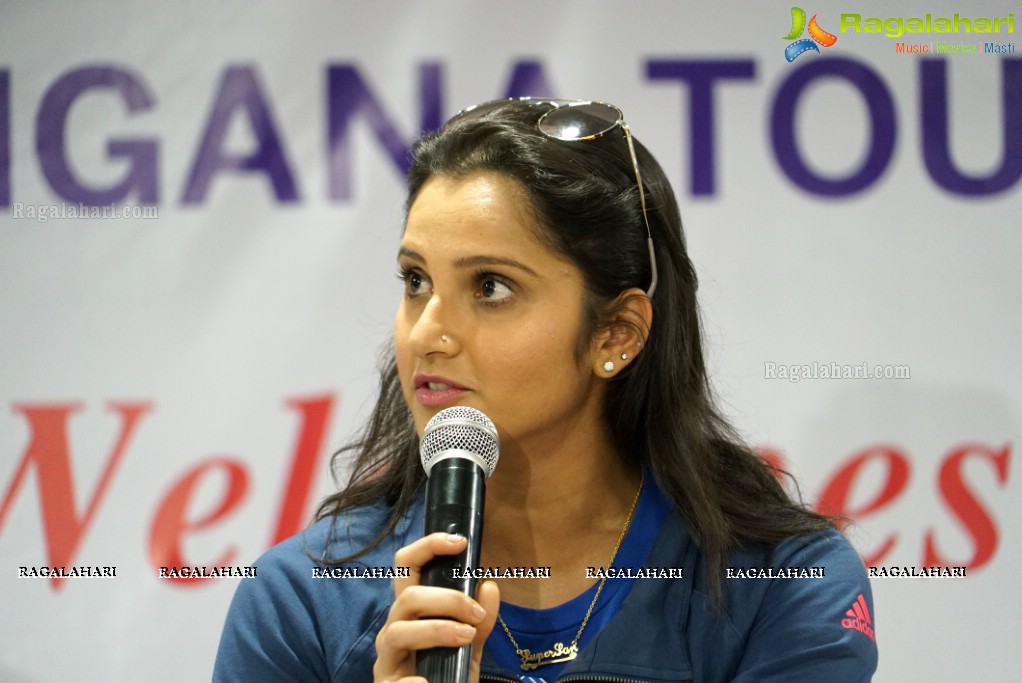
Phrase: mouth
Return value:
(433, 391)
(435, 383)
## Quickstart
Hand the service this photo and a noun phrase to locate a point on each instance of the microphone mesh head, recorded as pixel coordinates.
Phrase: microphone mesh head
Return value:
(460, 428)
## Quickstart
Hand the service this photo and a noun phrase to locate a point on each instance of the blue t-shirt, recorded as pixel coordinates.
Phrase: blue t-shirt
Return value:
(537, 630)
(291, 625)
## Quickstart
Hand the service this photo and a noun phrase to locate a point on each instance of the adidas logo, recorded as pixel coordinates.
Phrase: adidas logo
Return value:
(858, 618)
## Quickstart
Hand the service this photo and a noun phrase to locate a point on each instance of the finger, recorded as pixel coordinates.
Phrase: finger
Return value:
(423, 634)
(398, 640)
(417, 602)
(383, 675)
(380, 676)
(488, 595)
(416, 555)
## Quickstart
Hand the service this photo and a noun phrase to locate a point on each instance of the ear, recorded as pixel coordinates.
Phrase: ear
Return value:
(622, 336)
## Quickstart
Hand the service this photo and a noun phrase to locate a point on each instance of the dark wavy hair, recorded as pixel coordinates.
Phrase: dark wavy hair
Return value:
(584, 197)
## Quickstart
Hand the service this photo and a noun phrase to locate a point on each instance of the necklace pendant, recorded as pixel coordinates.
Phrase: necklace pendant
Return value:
(555, 655)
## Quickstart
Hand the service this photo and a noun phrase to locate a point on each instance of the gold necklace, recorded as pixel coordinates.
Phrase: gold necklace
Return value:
(559, 653)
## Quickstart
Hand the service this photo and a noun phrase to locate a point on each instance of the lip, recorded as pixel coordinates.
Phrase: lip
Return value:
(435, 397)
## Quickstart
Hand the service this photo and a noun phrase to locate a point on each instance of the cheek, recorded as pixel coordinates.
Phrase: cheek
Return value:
(400, 331)
(541, 360)
(402, 349)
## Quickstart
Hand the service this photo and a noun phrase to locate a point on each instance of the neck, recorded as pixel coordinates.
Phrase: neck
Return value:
(563, 508)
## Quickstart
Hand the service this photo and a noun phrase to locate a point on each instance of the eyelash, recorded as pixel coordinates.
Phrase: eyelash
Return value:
(482, 276)
(405, 274)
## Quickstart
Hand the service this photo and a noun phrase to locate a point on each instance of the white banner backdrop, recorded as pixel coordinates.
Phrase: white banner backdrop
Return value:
(177, 370)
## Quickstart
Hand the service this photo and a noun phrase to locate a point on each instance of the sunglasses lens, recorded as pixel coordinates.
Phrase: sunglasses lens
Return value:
(580, 121)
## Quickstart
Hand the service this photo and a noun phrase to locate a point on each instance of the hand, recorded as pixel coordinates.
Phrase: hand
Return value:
(459, 619)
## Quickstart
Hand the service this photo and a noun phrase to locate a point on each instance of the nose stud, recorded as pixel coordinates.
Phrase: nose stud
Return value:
(443, 338)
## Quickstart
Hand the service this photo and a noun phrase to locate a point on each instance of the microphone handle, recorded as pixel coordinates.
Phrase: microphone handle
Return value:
(454, 504)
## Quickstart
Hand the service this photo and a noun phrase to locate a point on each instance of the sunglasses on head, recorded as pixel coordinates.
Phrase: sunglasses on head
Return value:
(571, 121)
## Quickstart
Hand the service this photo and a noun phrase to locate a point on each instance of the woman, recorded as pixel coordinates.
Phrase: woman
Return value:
(547, 285)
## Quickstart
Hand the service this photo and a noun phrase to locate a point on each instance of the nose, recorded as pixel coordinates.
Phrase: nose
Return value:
(432, 332)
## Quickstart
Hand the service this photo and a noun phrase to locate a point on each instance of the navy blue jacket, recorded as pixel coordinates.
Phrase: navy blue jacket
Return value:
(285, 625)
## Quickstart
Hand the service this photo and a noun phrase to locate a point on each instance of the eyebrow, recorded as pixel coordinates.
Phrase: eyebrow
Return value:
(474, 261)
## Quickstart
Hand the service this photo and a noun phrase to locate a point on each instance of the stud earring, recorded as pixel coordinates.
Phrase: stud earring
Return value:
(608, 366)
(624, 356)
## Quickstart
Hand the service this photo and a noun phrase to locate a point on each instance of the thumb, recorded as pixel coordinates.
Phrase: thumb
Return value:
(487, 595)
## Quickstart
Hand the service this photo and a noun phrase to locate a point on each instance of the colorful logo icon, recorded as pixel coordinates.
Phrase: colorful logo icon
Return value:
(816, 35)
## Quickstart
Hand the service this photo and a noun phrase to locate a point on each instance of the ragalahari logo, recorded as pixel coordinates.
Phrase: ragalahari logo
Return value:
(816, 35)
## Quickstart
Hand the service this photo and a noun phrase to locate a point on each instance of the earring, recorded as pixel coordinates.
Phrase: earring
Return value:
(608, 366)
(624, 356)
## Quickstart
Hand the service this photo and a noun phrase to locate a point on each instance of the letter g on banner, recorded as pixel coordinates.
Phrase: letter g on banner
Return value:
(51, 138)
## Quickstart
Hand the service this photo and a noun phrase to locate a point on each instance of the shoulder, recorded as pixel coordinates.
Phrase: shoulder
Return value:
(294, 621)
(293, 564)
(827, 549)
(803, 605)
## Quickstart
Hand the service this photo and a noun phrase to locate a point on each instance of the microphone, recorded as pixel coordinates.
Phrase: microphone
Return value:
(459, 451)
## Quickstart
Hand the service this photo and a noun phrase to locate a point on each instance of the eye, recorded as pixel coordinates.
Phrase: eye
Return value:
(493, 289)
(416, 282)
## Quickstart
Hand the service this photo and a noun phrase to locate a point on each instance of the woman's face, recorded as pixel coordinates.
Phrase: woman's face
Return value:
(491, 317)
